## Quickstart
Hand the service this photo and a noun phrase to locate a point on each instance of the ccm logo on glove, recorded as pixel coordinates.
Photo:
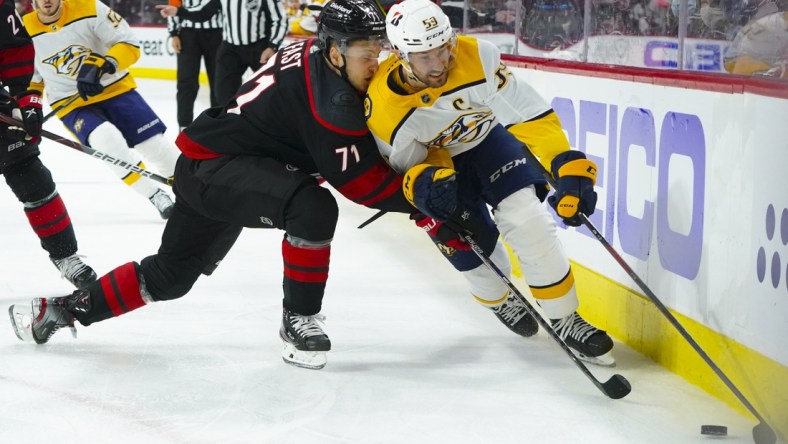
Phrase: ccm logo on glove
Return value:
(575, 177)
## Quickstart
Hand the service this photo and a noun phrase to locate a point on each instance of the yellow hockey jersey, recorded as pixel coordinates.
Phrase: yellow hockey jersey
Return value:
(61, 47)
(479, 93)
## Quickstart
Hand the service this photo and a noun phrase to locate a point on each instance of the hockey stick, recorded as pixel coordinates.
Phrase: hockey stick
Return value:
(374, 217)
(60, 107)
(95, 153)
(56, 110)
(615, 388)
(761, 433)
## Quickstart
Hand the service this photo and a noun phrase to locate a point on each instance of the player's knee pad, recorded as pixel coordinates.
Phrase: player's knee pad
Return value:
(311, 214)
(160, 153)
(484, 284)
(529, 229)
(109, 140)
(167, 279)
(30, 180)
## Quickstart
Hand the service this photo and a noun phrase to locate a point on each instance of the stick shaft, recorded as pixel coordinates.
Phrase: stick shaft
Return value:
(94, 153)
(57, 109)
(650, 294)
(545, 325)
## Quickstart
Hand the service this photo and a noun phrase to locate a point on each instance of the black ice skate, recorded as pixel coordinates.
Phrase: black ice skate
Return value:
(513, 314)
(586, 341)
(77, 272)
(161, 200)
(305, 342)
(43, 317)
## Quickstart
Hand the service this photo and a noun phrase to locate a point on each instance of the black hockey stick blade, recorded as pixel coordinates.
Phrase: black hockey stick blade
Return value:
(763, 434)
(616, 387)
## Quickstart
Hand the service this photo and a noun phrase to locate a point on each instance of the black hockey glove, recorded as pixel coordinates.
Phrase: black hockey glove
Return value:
(28, 110)
(575, 177)
(89, 76)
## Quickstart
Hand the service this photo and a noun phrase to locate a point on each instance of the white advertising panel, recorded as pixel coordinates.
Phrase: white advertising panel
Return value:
(692, 193)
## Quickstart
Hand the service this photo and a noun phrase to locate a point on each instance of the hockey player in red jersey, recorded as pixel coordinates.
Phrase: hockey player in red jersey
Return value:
(23, 171)
(257, 163)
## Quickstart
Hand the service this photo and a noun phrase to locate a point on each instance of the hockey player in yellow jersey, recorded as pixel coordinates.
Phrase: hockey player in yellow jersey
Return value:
(453, 119)
(83, 49)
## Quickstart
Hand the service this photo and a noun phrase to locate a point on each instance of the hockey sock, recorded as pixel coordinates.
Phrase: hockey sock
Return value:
(114, 294)
(159, 153)
(52, 224)
(305, 276)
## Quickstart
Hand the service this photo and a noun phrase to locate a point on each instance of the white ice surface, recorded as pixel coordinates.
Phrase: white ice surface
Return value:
(414, 359)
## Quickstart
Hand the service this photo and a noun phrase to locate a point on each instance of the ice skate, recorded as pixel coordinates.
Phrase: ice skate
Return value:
(161, 200)
(77, 272)
(305, 342)
(586, 341)
(513, 314)
(38, 321)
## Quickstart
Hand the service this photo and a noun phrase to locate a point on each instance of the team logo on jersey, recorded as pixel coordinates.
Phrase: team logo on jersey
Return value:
(367, 107)
(67, 61)
(78, 125)
(445, 249)
(466, 129)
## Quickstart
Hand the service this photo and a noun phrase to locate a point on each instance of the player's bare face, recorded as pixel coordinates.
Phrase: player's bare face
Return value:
(432, 67)
(49, 10)
(361, 57)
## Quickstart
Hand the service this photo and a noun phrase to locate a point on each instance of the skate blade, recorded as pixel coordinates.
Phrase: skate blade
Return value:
(304, 359)
(22, 321)
(606, 360)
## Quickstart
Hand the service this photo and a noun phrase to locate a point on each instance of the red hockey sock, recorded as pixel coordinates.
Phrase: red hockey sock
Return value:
(50, 218)
(305, 276)
(121, 289)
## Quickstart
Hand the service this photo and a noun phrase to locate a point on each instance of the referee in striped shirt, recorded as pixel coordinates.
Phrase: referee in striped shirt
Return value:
(252, 31)
(194, 42)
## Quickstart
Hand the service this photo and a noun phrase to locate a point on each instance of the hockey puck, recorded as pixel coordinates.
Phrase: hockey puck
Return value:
(713, 430)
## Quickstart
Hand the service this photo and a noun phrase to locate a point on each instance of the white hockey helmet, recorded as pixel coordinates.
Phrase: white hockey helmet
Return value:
(417, 26)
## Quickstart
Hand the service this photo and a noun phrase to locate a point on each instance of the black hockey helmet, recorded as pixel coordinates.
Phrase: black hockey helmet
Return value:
(348, 20)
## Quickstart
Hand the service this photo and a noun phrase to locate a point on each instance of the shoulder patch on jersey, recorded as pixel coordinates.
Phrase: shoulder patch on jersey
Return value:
(334, 102)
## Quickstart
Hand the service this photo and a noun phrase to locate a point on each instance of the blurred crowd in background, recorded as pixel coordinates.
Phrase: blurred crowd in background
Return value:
(755, 32)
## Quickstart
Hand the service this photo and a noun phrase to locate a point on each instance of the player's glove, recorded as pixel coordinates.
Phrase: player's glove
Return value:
(28, 110)
(433, 190)
(575, 178)
(89, 76)
(440, 232)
